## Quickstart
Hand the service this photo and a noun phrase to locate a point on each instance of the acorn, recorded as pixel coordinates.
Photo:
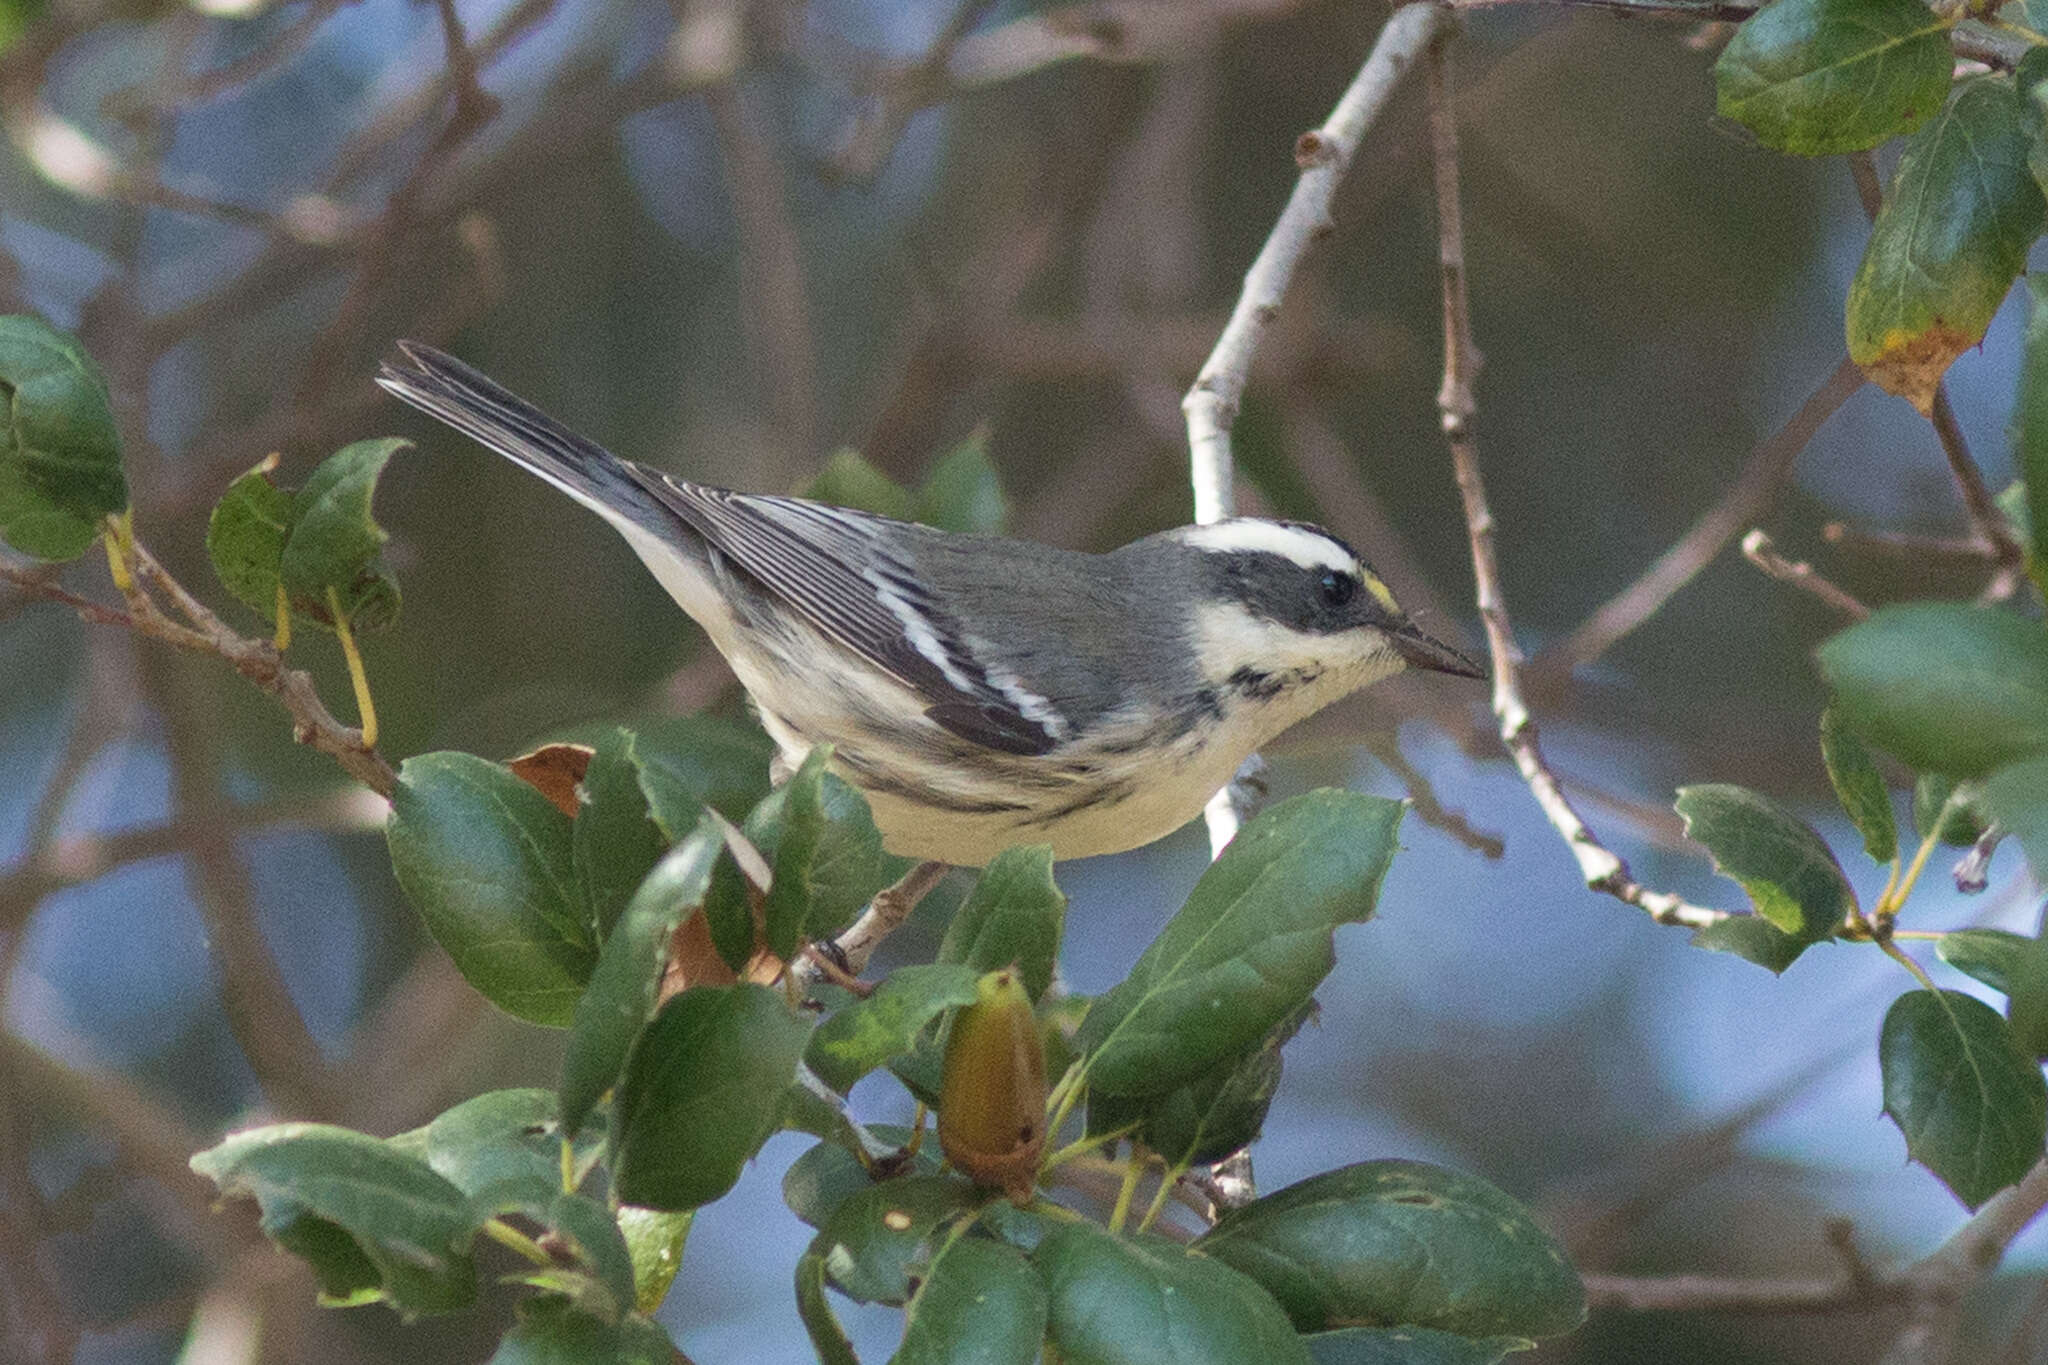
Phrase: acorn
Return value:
(992, 1089)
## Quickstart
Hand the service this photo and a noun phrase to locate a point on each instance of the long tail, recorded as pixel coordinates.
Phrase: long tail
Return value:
(479, 407)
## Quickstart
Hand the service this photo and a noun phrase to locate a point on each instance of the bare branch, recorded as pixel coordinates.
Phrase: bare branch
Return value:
(1323, 155)
(257, 660)
(1931, 1288)
(1603, 870)
(885, 914)
(1986, 516)
(1758, 550)
(1211, 405)
(1755, 488)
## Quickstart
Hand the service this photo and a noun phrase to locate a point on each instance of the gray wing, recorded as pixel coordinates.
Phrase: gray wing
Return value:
(839, 569)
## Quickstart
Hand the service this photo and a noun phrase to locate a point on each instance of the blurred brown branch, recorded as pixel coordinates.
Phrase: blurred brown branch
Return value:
(1604, 871)
(1753, 490)
(1758, 550)
(1930, 1289)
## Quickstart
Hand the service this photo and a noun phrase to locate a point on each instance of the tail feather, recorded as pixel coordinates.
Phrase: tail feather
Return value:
(481, 408)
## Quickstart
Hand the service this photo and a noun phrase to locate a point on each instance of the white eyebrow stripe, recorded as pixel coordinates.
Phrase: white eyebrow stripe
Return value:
(1306, 548)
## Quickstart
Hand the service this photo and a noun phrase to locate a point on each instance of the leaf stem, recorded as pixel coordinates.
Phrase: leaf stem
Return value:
(1158, 1203)
(1134, 1170)
(568, 1166)
(361, 680)
(282, 640)
(503, 1233)
(119, 538)
(1896, 895)
(1080, 1146)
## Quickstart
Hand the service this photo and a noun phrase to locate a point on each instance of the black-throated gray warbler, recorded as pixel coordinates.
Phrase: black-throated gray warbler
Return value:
(981, 691)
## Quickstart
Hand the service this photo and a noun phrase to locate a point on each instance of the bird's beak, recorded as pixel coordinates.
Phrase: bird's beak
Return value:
(1426, 651)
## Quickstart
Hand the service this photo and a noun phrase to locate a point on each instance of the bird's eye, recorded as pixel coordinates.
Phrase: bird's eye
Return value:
(1337, 588)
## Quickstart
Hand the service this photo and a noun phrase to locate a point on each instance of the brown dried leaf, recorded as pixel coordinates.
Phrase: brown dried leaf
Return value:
(1911, 365)
(554, 770)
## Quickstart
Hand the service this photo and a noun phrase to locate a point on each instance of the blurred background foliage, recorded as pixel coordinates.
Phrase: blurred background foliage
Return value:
(727, 237)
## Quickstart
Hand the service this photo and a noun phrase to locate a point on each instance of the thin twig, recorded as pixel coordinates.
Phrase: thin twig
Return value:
(1758, 550)
(1323, 156)
(1603, 870)
(1902, 544)
(1210, 406)
(1932, 1287)
(312, 723)
(474, 107)
(886, 913)
(1754, 489)
(1986, 516)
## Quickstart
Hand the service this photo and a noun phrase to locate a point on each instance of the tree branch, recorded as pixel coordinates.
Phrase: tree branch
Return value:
(1752, 492)
(1603, 870)
(1323, 156)
(1758, 550)
(1210, 406)
(1931, 1288)
(312, 723)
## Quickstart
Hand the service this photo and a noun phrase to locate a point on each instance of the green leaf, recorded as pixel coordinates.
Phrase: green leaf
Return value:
(1818, 77)
(702, 1090)
(1755, 938)
(1212, 1115)
(1401, 1242)
(16, 16)
(1250, 946)
(1012, 917)
(1973, 1108)
(2030, 409)
(60, 453)
(335, 543)
(594, 1238)
(870, 1033)
(1787, 869)
(620, 997)
(814, 1309)
(2026, 1013)
(827, 1175)
(551, 1332)
(372, 1222)
(1949, 241)
(1947, 688)
(981, 1302)
(689, 762)
(847, 480)
(962, 493)
(1958, 825)
(654, 1239)
(485, 859)
(503, 1149)
(1146, 1301)
(827, 854)
(879, 1239)
(2017, 797)
(1859, 787)
(614, 842)
(245, 538)
(1409, 1346)
(1993, 956)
